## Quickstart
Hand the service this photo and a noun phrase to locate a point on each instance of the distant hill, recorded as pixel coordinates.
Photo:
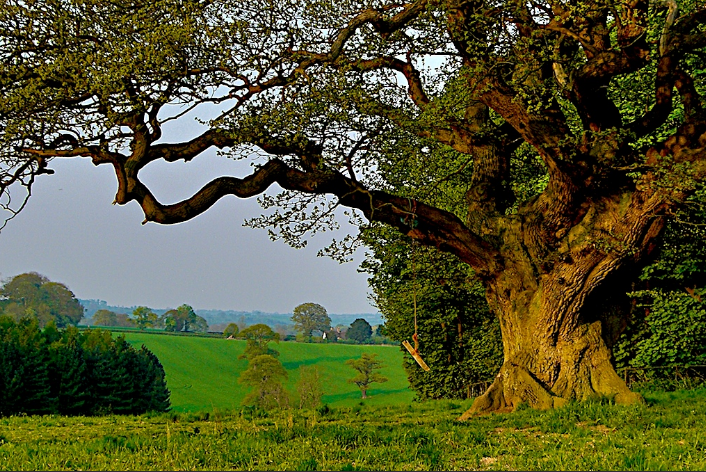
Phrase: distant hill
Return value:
(202, 373)
(219, 317)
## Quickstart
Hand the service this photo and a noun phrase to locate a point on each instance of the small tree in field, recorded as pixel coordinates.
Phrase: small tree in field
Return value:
(258, 337)
(265, 375)
(366, 366)
(309, 387)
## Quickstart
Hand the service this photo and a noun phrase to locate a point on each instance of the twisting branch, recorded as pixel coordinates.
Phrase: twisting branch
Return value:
(434, 227)
(668, 23)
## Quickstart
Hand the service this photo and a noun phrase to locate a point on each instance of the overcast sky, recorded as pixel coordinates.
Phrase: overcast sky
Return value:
(72, 234)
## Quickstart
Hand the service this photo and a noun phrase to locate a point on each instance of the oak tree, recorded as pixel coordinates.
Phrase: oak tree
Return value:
(420, 115)
(104, 317)
(231, 330)
(310, 316)
(143, 317)
(184, 318)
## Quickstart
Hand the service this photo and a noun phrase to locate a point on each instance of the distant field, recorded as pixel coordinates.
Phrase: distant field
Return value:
(202, 373)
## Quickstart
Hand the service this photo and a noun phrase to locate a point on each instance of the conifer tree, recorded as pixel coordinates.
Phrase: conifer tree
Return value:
(11, 368)
(73, 392)
(156, 392)
(36, 393)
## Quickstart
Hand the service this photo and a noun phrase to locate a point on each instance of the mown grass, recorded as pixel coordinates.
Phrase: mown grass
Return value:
(665, 434)
(202, 373)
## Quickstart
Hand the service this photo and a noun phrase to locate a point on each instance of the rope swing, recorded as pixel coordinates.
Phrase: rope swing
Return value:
(414, 351)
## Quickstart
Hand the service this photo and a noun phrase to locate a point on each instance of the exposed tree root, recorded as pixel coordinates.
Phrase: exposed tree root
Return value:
(584, 373)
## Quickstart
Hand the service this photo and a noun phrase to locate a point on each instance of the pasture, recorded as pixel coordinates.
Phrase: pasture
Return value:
(202, 373)
(665, 434)
(208, 429)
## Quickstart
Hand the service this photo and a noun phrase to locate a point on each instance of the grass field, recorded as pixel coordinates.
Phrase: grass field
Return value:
(666, 434)
(202, 373)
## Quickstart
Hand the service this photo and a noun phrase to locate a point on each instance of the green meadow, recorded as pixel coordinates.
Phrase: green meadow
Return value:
(665, 434)
(202, 373)
(208, 429)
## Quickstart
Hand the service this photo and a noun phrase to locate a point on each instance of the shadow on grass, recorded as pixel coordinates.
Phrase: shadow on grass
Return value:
(356, 395)
(293, 365)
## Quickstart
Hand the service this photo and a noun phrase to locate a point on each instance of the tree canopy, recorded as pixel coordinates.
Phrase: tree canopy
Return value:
(258, 337)
(542, 143)
(34, 295)
(71, 372)
(184, 318)
(144, 317)
(308, 317)
(366, 367)
(360, 331)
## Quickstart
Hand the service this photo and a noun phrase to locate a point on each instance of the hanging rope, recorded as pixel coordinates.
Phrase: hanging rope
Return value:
(415, 337)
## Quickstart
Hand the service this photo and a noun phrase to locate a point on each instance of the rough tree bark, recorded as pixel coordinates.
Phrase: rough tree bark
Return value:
(556, 347)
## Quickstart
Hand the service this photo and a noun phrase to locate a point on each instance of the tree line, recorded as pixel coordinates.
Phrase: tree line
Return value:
(34, 295)
(181, 319)
(72, 372)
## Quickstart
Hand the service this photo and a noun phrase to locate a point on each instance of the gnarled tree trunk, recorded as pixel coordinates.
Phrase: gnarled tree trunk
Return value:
(557, 326)
(553, 352)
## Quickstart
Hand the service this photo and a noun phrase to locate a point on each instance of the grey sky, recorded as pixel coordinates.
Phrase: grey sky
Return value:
(71, 233)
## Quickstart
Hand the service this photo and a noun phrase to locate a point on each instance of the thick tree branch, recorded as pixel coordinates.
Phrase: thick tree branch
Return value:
(664, 85)
(411, 74)
(376, 18)
(427, 224)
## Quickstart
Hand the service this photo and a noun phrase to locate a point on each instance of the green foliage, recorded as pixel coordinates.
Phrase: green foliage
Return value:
(258, 337)
(184, 319)
(668, 323)
(360, 331)
(104, 317)
(265, 375)
(111, 319)
(34, 295)
(308, 387)
(459, 338)
(308, 317)
(231, 330)
(73, 373)
(673, 333)
(144, 317)
(366, 367)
